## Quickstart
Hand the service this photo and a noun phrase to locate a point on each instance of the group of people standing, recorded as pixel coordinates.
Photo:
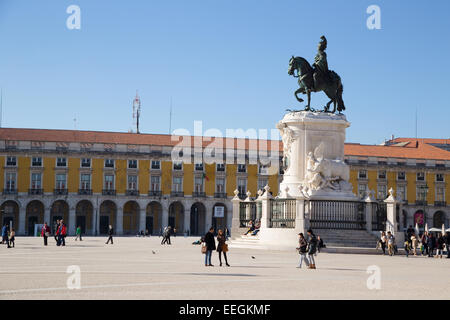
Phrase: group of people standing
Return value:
(60, 233)
(426, 243)
(209, 245)
(8, 237)
(307, 249)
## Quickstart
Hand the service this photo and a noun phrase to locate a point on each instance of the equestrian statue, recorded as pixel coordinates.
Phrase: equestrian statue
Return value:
(318, 78)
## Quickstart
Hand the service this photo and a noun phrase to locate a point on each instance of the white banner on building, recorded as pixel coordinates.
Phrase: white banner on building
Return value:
(219, 212)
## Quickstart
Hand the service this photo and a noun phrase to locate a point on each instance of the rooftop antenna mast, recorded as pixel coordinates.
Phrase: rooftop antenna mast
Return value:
(170, 120)
(136, 111)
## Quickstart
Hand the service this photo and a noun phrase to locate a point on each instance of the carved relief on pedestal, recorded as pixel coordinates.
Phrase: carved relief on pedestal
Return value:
(325, 174)
(288, 137)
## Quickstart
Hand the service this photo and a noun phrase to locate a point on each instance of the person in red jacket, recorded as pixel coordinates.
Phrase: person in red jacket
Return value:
(62, 233)
(45, 233)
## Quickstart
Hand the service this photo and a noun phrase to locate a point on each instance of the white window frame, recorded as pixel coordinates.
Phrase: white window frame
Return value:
(109, 161)
(365, 174)
(11, 157)
(8, 187)
(40, 180)
(202, 185)
(420, 173)
(155, 161)
(56, 181)
(177, 163)
(224, 185)
(81, 181)
(242, 166)
(152, 184)
(245, 185)
(41, 161)
(385, 174)
(404, 175)
(82, 161)
(136, 182)
(199, 169)
(130, 160)
(65, 160)
(221, 164)
(113, 182)
(174, 184)
(442, 175)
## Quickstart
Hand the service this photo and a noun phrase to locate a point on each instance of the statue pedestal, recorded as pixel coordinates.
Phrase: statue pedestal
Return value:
(314, 156)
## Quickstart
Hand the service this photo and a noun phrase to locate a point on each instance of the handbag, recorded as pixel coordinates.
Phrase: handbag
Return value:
(47, 234)
(204, 249)
(225, 247)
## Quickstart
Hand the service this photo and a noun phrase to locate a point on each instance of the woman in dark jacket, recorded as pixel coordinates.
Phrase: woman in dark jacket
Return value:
(440, 246)
(302, 250)
(210, 246)
(222, 247)
(312, 249)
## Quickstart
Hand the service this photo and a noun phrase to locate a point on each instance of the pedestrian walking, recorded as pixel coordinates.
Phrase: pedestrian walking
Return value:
(61, 234)
(12, 239)
(431, 245)
(424, 240)
(391, 243)
(166, 236)
(210, 244)
(5, 235)
(55, 230)
(383, 241)
(312, 243)
(110, 235)
(447, 244)
(222, 246)
(78, 234)
(302, 250)
(45, 233)
(407, 248)
(414, 243)
(440, 242)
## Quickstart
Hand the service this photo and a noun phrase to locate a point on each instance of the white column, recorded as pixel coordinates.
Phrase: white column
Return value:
(165, 218)
(392, 223)
(369, 201)
(265, 208)
(94, 221)
(47, 212)
(119, 221)
(235, 220)
(72, 222)
(187, 221)
(22, 218)
(300, 222)
(208, 219)
(142, 219)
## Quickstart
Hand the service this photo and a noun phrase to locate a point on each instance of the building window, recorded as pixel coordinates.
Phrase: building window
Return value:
(220, 185)
(262, 183)
(85, 182)
(132, 164)
(263, 169)
(61, 162)
(220, 167)
(242, 168)
(401, 176)
(11, 161)
(109, 163)
(401, 193)
(178, 166)
(440, 194)
(10, 181)
(420, 176)
(36, 181)
(61, 181)
(199, 167)
(36, 162)
(242, 186)
(439, 177)
(382, 175)
(155, 183)
(156, 165)
(109, 182)
(362, 174)
(198, 184)
(177, 184)
(85, 163)
(132, 182)
(421, 195)
(382, 192)
(362, 190)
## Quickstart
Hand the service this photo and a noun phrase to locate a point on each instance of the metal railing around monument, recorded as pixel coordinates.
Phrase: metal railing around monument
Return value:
(340, 215)
(247, 213)
(379, 216)
(282, 213)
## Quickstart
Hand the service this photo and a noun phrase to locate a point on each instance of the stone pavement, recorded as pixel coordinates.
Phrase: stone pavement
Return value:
(129, 270)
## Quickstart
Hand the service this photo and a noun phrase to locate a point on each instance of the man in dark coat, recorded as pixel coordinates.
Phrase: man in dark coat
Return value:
(447, 244)
(210, 244)
(312, 249)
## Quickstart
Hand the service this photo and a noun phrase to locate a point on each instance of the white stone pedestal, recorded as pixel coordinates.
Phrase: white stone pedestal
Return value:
(314, 156)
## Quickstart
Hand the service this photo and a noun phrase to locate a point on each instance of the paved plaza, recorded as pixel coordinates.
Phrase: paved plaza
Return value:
(130, 270)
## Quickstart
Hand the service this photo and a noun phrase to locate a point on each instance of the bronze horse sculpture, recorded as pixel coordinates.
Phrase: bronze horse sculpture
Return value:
(318, 79)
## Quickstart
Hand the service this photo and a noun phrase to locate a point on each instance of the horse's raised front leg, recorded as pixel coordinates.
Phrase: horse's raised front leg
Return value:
(296, 94)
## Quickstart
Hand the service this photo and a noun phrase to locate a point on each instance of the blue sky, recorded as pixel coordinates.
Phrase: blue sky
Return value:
(222, 62)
